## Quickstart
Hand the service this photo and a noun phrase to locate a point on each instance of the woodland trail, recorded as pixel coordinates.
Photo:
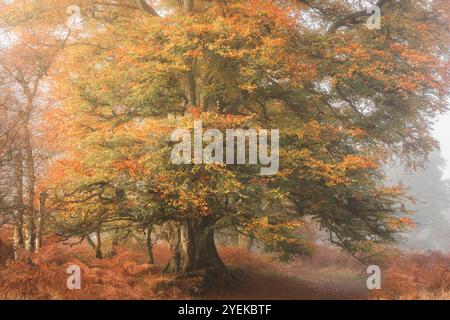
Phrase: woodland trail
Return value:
(325, 285)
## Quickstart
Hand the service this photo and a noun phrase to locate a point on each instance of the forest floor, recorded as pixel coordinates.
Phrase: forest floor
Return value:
(124, 274)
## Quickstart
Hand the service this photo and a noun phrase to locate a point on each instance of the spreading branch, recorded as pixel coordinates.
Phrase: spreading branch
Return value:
(144, 6)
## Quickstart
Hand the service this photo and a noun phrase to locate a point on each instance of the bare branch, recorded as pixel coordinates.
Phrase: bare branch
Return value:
(355, 18)
(144, 6)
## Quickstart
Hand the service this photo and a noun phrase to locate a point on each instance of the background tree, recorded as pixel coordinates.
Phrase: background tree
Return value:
(26, 56)
(432, 200)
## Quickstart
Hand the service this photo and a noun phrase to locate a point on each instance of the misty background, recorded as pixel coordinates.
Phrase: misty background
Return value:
(431, 189)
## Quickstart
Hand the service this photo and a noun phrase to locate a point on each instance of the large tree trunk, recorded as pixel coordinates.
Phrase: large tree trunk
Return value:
(193, 248)
(29, 166)
(188, 5)
(40, 221)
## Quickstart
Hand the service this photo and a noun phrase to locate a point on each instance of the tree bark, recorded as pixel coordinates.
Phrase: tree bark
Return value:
(40, 221)
(188, 5)
(17, 237)
(98, 245)
(30, 175)
(144, 6)
(190, 84)
(19, 205)
(190, 87)
(245, 242)
(149, 243)
(193, 248)
(114, 243)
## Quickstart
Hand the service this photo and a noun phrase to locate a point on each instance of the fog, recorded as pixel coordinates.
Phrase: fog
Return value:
(430, 188)
(442, 134)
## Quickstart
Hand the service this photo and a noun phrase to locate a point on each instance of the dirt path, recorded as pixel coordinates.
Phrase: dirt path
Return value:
(310, 286)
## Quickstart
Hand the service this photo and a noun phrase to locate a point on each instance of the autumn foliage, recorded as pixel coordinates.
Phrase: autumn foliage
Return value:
(89, 108)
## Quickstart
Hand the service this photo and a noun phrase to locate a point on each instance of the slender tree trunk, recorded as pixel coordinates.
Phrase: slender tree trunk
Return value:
(190, 82)
(190, 86)
(40, 221)
(19, 205)
(189, 78)
(205, 99)
(3, 256)
(17, 236)
(114, 243)
(6, 252)
(98, 245)
(29, 166)
(149, 243)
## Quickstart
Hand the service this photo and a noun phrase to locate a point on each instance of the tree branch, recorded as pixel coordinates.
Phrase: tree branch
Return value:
(355, 17)
(144, 6)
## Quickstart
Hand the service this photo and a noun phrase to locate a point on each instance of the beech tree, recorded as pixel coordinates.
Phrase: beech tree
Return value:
(344, 97)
